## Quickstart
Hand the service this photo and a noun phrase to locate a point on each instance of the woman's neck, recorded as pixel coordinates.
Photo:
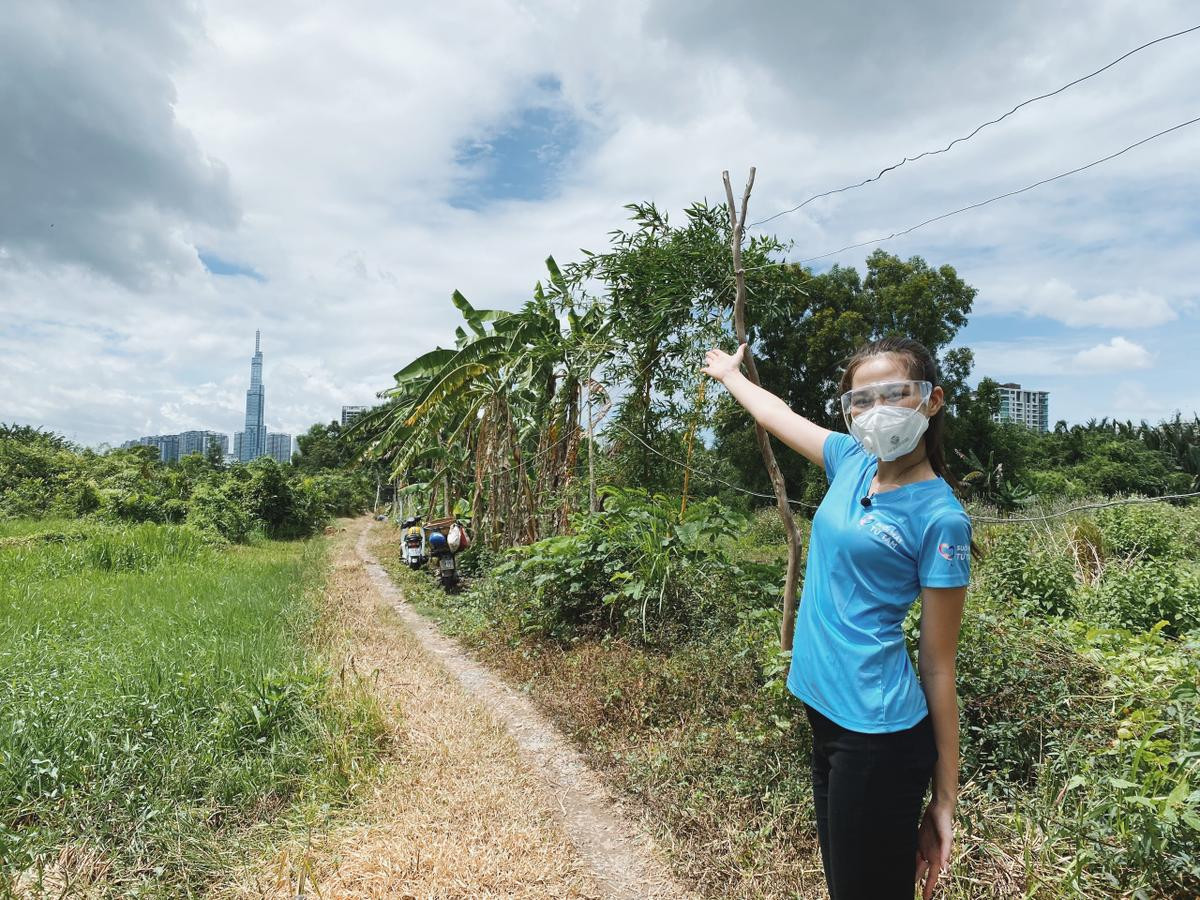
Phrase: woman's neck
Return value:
(913, 466)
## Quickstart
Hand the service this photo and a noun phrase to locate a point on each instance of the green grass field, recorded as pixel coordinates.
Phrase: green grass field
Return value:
(158, 694)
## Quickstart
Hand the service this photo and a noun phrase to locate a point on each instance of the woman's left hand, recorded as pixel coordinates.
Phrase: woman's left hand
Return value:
(934, 839)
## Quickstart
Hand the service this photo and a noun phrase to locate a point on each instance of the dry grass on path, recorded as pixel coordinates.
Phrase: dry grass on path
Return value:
(461, 811)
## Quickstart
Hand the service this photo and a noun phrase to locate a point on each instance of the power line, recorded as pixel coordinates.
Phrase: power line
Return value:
(911, 229)
(1072, 509)
(708, 475)
(976, 131)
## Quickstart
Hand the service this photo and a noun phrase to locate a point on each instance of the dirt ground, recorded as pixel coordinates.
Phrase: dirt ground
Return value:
(484, 797)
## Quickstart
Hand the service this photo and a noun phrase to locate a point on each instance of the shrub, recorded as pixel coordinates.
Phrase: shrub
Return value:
(1087, 548)
(1138, 594)
(1007, 667)
(766, 527)
(1051, 483)
(635, 561)
(1025, 577)
(1147, 529)
(214, 509)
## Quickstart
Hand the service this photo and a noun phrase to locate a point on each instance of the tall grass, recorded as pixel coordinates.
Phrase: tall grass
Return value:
(157, 694)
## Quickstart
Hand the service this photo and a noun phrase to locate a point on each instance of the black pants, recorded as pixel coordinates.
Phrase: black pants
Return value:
(868, 790)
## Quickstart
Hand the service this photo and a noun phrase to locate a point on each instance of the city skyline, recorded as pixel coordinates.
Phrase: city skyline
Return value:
(279, 445)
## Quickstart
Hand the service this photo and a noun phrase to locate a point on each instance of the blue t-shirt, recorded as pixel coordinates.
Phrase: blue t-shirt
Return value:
(866, 567)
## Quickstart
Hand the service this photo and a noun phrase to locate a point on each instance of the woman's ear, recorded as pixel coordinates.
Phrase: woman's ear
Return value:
(936, 398)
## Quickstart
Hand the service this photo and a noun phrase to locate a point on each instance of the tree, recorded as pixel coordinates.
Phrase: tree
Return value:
(213, 454)
(326, 447)
(811, 324)
(666, 290)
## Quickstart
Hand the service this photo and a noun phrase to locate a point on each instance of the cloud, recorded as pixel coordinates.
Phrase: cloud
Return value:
(1038, 357)
(347, 133)
(1057, 300)
(1118, 355)
(98, 172)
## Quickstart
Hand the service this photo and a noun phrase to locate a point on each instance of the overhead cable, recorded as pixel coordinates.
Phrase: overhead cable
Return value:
(1030, 187)
(976, 131)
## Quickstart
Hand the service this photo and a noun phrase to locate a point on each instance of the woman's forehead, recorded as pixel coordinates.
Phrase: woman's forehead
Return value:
(885, 367)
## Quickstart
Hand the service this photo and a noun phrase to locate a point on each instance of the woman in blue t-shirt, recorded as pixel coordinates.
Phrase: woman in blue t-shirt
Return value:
(889, 528)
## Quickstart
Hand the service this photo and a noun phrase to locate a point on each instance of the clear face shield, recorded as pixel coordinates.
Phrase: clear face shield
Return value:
(910, 394)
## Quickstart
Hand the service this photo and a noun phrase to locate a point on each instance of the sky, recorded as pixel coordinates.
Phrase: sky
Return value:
(176, 175)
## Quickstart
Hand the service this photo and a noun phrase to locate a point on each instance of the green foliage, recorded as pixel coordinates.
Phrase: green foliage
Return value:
(1051, 483)
(1143, 529)
(326, 447)
(1025, 576)
(987, 482)
(636, 561)
(42, 476)
(1139, 594)
(1009, 665)
(216, 508)
(765, 527)
(1132, 804)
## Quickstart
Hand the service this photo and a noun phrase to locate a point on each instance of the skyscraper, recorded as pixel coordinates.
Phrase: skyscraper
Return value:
(254, 439)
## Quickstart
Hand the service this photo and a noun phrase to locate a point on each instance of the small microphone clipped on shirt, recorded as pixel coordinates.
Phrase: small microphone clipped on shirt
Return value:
(865, 501)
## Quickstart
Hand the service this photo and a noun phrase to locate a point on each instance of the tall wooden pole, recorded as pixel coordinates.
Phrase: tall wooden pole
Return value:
(738, 224)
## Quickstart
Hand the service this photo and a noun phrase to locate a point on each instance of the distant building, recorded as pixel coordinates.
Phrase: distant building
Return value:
(199, 441)
(279, 447)
(166, 444)
(174, 447)
(1028, 408)
(350, 413)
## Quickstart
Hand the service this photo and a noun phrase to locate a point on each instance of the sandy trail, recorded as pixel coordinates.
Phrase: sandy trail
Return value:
(486, 798)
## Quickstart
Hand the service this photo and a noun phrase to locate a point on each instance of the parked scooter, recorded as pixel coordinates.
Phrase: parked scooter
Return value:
(413, 542)
(444, 547)
(447, 566)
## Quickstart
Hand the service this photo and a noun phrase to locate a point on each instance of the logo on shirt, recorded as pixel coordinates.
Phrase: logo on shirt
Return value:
(886, 532)
(951, 552)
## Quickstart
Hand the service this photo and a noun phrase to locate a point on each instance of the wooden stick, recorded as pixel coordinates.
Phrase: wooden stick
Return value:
(738, 224)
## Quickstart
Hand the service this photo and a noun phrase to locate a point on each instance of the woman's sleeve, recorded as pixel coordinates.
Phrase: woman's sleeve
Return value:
(837, 447)
(945, 558)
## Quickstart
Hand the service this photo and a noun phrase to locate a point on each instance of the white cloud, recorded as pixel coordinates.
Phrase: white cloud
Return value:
(1038, 357)
(336, 130)
(1118, 355)
(1057, 300)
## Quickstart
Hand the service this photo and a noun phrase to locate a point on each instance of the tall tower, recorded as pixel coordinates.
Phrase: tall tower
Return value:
(254, 438)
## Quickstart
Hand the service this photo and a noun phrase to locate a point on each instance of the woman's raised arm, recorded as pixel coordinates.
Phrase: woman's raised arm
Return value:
(802, 435)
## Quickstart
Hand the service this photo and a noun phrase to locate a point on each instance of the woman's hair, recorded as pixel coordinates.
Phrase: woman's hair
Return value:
(921, 367)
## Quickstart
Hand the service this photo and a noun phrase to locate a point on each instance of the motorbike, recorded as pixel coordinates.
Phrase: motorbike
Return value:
(444, 546)
(413, 542)
(447, 566)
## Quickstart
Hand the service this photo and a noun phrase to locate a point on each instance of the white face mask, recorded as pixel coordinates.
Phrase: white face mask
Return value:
(889, 431)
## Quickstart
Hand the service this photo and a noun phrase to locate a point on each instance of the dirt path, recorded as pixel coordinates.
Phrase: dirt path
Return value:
(486, 799)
